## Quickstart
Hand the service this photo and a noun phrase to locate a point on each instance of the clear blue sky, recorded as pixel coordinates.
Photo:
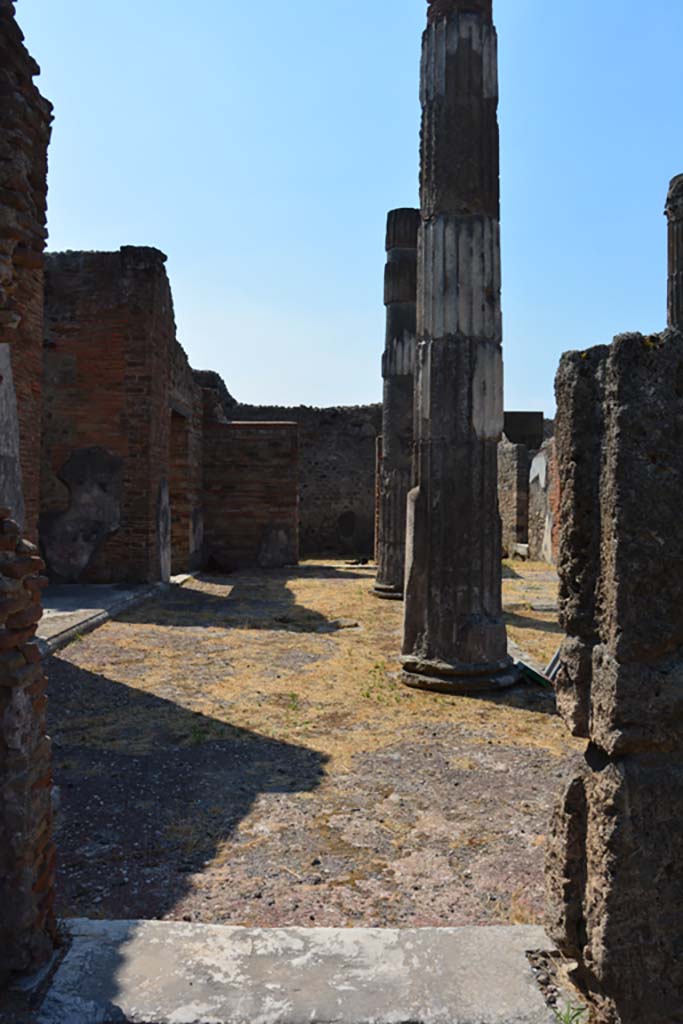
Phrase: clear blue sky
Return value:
(261, 144)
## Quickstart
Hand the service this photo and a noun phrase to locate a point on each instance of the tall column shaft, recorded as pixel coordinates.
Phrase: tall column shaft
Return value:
(398, 369)
(454, 634)
(674, 213)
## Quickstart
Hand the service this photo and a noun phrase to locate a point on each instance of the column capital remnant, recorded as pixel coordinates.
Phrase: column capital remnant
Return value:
(444, 8)
(674, 200)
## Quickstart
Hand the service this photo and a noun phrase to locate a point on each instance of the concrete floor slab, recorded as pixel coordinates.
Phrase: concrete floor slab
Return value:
(71, 610)
(173, 973)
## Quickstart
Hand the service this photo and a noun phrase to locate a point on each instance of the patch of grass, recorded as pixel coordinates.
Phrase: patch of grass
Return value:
(379, 687)
(294, 702)
(570, 1014)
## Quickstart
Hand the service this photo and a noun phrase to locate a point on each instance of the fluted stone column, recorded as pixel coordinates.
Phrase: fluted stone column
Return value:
(674, 213)
(398, 369)
(454, 634)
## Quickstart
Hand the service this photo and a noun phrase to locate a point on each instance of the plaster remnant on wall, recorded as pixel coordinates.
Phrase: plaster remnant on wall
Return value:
(487, 393)
(70, 539)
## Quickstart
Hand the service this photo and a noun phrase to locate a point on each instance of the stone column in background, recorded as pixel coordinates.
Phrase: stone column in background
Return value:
(674, 213)
(454, 633)
(398, 369)
(616, 844)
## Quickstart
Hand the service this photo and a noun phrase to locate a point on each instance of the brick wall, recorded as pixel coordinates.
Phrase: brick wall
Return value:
(337, 474)
(110, 334)
(337, 464)
(251, 507)
(25, 119)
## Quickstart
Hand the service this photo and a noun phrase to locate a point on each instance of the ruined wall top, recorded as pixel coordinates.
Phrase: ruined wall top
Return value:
(442, 8)
(674, 200)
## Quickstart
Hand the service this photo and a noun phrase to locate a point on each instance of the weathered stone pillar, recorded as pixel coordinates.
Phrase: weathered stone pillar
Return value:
(27, 860)
(398, 371)
(674, 213)
(27, 857)
(25, 119)
(616, 845)
(454, 634)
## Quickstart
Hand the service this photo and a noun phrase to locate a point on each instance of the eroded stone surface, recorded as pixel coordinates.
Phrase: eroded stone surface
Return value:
(25, 119)
(197, 974)
(27, 856)
(615, 888)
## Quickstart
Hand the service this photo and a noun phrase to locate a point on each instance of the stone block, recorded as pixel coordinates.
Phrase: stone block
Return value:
(573, 684)
(616, 886)
(620, 452)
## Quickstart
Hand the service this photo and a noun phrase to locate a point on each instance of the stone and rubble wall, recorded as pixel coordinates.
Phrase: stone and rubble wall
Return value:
(616, 846)
(25, 126)
(250, 492)
(27, 856)
(108, 384)
(185, 468)
(337, 466)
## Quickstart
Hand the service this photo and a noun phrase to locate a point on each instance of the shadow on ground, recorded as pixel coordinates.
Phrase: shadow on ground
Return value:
(533, 622)
(149, 791)
(252, 600)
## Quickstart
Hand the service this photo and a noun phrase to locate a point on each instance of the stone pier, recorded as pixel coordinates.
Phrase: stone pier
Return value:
(27, 857)
(25, 120)
(674, 214)
(616, 844)
(454, 634)
(398, 370)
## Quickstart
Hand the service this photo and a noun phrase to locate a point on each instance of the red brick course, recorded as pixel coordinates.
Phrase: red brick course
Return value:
(113, 372)
(251, 502)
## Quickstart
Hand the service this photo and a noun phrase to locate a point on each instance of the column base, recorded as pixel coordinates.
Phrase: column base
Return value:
(443, 677)
(387, 591)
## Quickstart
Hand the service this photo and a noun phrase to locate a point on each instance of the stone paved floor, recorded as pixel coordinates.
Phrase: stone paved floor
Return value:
(240, 751)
